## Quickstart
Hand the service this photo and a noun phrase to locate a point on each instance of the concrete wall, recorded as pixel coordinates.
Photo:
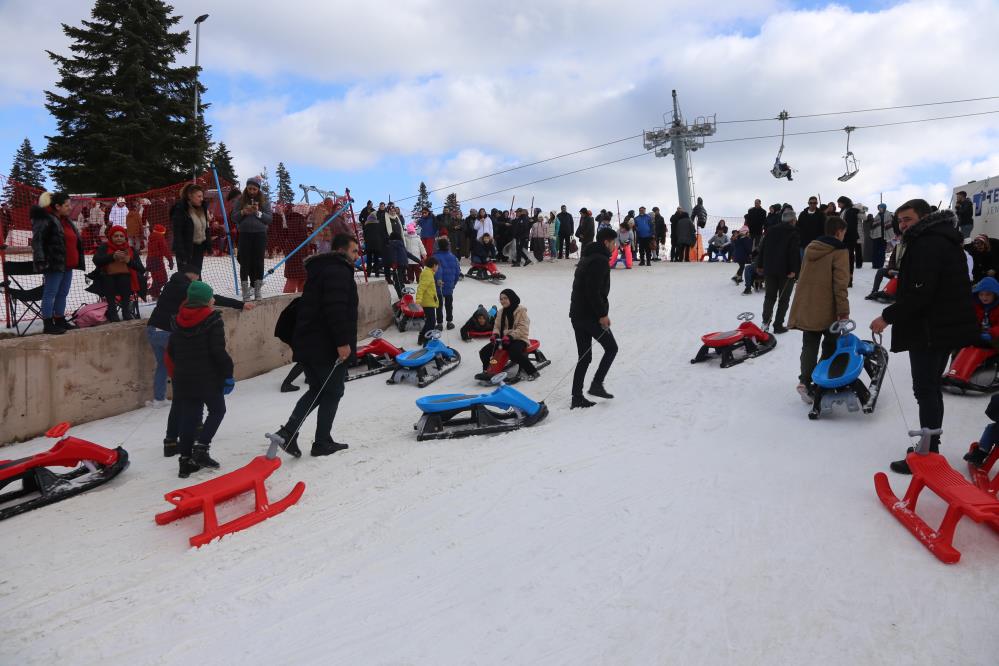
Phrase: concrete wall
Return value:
(107, 370)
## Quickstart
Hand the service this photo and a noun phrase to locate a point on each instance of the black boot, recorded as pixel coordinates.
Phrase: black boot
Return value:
(902, 466)
(51, 327)
(597, 389)
(326, 448)
(580, 401)
(169, 448)
(200, 456)
(288, 387)
(187, 467)
(63, 324)
(288, 443)
(976, 456)
(112, 312)
(747, 291)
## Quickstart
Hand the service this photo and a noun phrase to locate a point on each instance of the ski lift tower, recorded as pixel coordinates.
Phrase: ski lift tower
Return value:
(677, 139)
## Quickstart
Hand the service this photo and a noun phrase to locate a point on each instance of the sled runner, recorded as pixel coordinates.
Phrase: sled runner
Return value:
(734, 347)
(837, 378)
(407, 311)
(93, 466)
(426, 365)
(931, 470)
(486, 272)
(500, 362)
(444, 416)
(980, 475)
(374, 358)
(973, 369)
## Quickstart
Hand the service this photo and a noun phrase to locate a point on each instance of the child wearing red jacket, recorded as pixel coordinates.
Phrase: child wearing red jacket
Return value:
(158, 251)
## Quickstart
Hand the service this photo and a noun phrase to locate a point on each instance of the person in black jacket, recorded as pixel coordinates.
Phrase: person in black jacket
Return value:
(189, 222)
(933, 313)
(565, 231)
(811, 224)
(202, 375)
(325, 337)
(588, 309)
(756, 219)
(522, 237)
(965, 214)
(852, 216)
(586, 228)
(984, 252)
(779, 262)
(660, 227)
(57, 251)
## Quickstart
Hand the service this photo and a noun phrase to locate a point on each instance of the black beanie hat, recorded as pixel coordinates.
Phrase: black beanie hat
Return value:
(606, 234)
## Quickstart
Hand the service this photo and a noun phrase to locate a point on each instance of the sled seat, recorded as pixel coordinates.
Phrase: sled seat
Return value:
(204, 497)
(961, 496)
(722, 339)
(447, 402)
(980, 475)
(845, 365)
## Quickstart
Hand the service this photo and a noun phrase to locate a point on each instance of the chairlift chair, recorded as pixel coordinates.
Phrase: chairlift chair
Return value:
(849, 159)
(780, 169)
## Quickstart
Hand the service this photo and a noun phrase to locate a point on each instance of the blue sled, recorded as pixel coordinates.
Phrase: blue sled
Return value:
(837, 378)
(441, 418)
(425, 365)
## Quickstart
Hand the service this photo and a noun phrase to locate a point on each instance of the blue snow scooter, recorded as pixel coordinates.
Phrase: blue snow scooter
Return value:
(837, 378)
(441, 418)
(425, 365)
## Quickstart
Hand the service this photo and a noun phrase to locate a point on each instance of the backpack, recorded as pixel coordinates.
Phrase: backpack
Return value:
(91, 314)
(284, 329)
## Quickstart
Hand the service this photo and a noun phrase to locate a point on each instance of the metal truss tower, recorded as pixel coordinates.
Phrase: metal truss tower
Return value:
(677, 140)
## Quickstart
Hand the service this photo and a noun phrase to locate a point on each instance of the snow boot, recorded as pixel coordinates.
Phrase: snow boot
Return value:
(288, 387)
(288, 443)
(244, 287)
(327, 448)
(187, 467)
(200, 456)
(169, 448)
(902, 466)
(806, 394)
(483, 376)
(51, 327)
(63, 324)
(450, 326)
(597, 389)
(257, 284)
(747, 291)
(580, 401)
(780, 328)
(976, 456)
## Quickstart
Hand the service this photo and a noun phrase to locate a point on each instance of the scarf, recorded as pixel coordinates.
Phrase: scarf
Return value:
(124, 247)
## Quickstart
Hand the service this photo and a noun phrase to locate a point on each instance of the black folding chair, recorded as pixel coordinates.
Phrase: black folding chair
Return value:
(24, 303)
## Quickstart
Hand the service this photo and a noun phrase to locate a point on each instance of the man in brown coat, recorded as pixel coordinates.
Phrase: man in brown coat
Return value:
(821, 299)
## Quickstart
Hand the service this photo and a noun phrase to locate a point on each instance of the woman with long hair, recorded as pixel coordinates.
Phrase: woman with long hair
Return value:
(252, 216)
(191, 235)
(57, 251)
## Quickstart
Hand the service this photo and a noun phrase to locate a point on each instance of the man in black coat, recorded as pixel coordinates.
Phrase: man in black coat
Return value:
(965, 214)
(811, 223)
(852, 216)
(324, 339)
(933, 313)
(756, 219)
(660, 225)
(779, 261)
(588, 309)
(565, 231)
(586, 228)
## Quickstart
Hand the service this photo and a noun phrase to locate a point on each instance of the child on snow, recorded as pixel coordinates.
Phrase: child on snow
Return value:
(742, 250)
(119, 274)
(986, 294)
(416, 248)
(202, 375)
(539, 237)
(483, 250)
(447, 277)
(426, 297)
(625, 238)
(481, 321)
(158, 251)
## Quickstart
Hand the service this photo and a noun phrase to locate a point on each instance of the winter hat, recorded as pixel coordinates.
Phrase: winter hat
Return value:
(984, 239)
(582, 211)
(199, 294)
(606, 234)
(253, 180)
(159, 229)
(882, 206)
(987, 284)
(120, 200)
(411, 228)
(45, 200)
(744, 229)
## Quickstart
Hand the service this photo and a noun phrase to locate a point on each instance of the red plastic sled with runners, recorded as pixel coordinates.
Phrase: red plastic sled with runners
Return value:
(734, 347)
(973, 369)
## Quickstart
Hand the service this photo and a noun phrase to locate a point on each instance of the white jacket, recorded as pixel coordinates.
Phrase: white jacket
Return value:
(118, 215)
(414, 245)
(483, 226)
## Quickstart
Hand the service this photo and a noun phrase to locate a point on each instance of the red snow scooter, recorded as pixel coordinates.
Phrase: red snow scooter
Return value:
(500, 362)
(407, 311)
(374, 358)
(734, 347)
(973, 369)
(93, 466)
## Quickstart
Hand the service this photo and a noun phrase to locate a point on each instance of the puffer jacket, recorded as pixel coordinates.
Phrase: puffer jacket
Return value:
(426, 289)
(251, 224)
(327, 313)
(449, 273)
(196, 349)
(521, 329)
(821, 296)
(48, 243)
(591, 284)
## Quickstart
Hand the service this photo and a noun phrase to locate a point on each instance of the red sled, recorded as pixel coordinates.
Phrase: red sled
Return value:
(374, 358)
(974, 369)
(93, 465)
(500, 361)
(407, 311)
(963, 498)
(486, 271)
(980, 475)
(734, 347)
(204, 497)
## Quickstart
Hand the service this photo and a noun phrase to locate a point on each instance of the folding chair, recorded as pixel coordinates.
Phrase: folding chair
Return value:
(23, 303)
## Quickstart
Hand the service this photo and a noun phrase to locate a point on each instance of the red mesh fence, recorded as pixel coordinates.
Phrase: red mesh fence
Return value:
(92, 216)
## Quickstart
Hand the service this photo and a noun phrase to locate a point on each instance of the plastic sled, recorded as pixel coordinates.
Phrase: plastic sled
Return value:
(426, 365)
(93, 465)
(980, 475)
(837, 378)
(500, 362)
(455, 415)
(374, 358)
(931, 470)
(973, 369)
(887, 295)
(407, 311)
(204, 497)
(492, 318)
(486, 272)
(734, 347)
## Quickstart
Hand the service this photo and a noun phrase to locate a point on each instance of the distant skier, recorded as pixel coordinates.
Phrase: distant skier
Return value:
(588, 311)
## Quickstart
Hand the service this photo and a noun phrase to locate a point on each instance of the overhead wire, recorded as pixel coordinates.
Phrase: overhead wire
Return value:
(879, 108)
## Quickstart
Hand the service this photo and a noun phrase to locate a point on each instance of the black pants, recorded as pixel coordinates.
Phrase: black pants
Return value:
(586, 332)
(566, 242)
(645, 251)
(325, 391)
(778, 290)
(118, 292)
(447, 307)
(810, 343)
(429, 323)
(858, 255)
(683, 253)
(672, 250)
(251, 256)
(516, 351)
(294, 373)
(927, 367)
(374, 261)
(173, 421)
(398, 279)
(522, 244)
(851, 250)
(878, 279)
(193, 263)
(189, 411)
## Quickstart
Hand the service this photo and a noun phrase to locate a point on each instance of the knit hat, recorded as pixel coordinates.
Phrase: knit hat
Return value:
(410, 228)
(253, 180)
(882, 206)
(45, 200)
(987, 284)
(159, 229)
(199, 294)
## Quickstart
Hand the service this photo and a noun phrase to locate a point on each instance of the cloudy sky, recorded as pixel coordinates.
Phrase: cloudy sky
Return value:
(380, 95)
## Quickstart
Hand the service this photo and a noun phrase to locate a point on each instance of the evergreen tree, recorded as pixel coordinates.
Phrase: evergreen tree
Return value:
(26, 170)
(265, 183)
(285, 193)
(422, 201)
(451, 203)
(123, 110)
(223, 164)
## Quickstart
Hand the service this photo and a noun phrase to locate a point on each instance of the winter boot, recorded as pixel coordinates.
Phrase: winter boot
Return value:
(257, 284)
(580, 401)
(806, 394)
(169, 448)
(288, 443)
(976, 456)
(112, 312)
(597, 389)
(747, 291)
(902, 466)
(51, 327)
(187, 467)
(327, 448)
(244, 286)
(288, 387)
(200, 456)
(450, 326)
(62, 323)
(780, 328)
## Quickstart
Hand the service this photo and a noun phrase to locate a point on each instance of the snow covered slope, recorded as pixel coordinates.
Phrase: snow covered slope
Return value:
(698, 518)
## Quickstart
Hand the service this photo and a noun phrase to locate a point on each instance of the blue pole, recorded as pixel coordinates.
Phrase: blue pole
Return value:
(228, 235)
(311, 236)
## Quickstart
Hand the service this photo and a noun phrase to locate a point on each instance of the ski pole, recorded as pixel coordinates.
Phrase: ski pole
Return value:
(288, 256)
(228, 234)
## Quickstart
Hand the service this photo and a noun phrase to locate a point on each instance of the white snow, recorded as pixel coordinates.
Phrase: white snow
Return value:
(698, 518)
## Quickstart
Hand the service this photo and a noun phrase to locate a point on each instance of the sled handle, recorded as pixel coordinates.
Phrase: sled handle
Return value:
(924, 435)
(498, 378)
(434, 335)
(376, 334)
(408, 290)
(843, 326)
(58, 430)
(746, 316)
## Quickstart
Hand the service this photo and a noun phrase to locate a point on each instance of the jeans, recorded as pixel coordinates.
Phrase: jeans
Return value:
(988, 438)
(189, 413)
(158, 341)
(749, 275)
(878, 248)
(325, 391)
(56, 288)
(927, 367)
(778, 289)
(521, 251)
(810, 343)
(586, 332)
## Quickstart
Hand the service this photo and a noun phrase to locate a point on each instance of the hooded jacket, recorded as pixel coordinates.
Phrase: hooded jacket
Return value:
(196, 352)
(683, 231)
(821, 296)
(48, 243)
(327, 312)
(472, 325)
(591, 284)
(449, 273)
(779, 251)
(932, 310)
(426, 289)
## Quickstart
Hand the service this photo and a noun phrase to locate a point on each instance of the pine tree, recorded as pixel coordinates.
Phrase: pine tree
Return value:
(26, 170)
(422, 201)
(223, 163)
(285, 193)
(451, 203)
(123, 111)
(265, 183)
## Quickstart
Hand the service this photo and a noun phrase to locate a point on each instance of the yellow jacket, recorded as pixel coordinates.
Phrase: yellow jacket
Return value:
(426, 291)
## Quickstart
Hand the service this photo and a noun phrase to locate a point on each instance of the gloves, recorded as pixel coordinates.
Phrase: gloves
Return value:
(493, 338)
(228, 386)
(506, 340)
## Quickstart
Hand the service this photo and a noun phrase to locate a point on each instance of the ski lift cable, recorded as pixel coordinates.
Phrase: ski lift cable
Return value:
(880, 108)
